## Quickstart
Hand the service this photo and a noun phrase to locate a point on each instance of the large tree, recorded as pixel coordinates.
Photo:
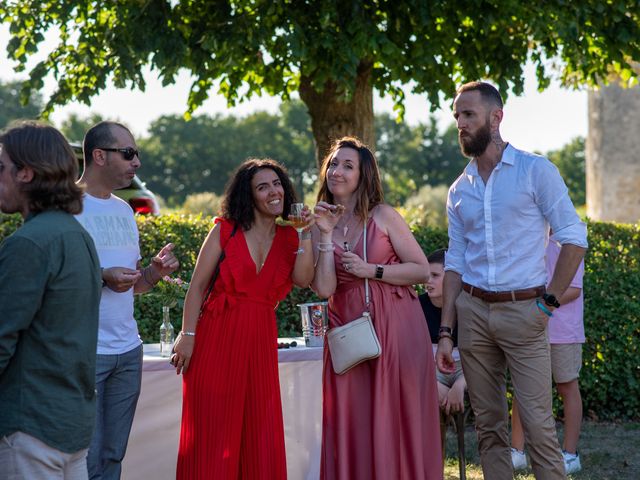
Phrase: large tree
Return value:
(334, 53)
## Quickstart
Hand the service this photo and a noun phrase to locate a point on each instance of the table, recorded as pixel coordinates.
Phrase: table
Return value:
(153, 443)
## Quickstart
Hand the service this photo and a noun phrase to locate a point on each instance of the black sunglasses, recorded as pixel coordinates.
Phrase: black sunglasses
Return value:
(128, 153)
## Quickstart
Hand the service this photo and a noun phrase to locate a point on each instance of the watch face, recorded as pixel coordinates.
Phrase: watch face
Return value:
(550, 300)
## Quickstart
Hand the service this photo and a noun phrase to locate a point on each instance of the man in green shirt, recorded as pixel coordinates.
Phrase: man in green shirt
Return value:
(50, 285)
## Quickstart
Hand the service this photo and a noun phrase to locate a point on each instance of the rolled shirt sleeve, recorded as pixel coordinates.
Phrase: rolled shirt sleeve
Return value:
(552, 197)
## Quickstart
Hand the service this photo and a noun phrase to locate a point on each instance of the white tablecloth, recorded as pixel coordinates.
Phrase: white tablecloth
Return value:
(153, 443)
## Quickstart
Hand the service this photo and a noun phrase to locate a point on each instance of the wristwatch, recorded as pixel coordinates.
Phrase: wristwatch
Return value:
(379, 271)
(551, 300)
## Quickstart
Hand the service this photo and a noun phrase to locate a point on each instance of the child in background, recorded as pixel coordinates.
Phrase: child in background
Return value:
(451, 387)
(566, 336)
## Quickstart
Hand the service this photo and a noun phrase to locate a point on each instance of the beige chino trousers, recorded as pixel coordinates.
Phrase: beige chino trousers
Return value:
(491, 338)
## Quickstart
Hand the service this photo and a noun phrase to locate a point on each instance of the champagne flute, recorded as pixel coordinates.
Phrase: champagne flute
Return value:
(298, 222)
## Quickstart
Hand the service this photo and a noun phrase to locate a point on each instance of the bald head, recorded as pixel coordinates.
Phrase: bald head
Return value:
(101, 135)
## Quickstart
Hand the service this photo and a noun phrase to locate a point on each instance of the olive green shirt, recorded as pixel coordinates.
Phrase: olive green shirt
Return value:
(50, 286)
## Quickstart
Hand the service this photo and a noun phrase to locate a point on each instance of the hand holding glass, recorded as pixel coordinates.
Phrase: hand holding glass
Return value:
(298, 221)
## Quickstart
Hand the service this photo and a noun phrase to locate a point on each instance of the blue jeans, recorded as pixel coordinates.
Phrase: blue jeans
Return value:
(118, 380)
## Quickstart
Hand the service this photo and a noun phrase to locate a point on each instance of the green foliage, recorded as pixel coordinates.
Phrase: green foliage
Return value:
(187, 232)
(610, 377)
(9, 224)
(206, 203)
(12, 109)
(570, 160)
(170, 291)
(75, 126)
(333, 53)
(427, 208)
(251, 47)
(413, 156)
(181, 158)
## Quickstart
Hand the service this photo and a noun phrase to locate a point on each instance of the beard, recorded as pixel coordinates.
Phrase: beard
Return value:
(474, 145)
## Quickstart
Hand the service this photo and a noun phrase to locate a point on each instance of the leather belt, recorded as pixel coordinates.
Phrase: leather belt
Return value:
(508, 296)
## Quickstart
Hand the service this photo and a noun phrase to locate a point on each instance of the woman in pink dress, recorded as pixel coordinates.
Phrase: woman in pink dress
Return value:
(380, 419)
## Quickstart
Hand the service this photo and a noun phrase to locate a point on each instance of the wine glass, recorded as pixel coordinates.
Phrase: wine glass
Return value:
(298, 222)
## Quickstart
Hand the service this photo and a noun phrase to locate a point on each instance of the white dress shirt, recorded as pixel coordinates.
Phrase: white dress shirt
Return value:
(498, 231)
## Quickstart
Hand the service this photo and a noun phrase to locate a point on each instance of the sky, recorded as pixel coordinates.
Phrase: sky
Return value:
(535, 121)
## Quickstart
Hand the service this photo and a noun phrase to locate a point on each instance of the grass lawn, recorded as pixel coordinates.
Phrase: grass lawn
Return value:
(608, 451)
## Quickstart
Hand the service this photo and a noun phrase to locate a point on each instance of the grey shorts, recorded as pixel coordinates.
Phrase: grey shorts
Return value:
(566, 361)
(448, 379)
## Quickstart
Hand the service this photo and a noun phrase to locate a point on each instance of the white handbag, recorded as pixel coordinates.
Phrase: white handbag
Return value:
(355, 342)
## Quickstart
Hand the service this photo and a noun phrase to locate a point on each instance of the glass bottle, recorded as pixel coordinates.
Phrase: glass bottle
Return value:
(166, 333)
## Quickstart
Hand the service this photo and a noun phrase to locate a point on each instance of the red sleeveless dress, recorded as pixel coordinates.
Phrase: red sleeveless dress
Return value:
(231, 412)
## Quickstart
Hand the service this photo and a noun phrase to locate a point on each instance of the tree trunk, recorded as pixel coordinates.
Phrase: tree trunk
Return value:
(334, 116)
(612, 161)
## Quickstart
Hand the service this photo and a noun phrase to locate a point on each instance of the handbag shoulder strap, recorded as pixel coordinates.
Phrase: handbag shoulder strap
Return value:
(366, 280)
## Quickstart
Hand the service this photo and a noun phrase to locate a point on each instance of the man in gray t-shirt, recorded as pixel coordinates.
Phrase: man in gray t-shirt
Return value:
(111, 160)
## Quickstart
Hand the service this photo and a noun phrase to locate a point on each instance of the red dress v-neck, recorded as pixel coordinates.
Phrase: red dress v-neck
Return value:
(231, 413)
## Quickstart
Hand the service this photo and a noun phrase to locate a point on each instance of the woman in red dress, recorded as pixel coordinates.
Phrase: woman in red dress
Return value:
(227, 350)
(380, 419)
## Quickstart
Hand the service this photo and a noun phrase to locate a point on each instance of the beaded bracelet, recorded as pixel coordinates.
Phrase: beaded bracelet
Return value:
(326, 247)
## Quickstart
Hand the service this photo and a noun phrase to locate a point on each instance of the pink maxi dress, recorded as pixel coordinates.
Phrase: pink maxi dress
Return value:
(380, 419)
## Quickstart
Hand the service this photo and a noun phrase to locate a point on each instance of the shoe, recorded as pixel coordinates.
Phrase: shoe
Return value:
(518, 459)
(571, 462)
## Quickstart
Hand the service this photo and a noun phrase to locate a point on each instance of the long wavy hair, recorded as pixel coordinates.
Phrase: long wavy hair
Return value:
(55, 169)
(238, 204)
(369, 192)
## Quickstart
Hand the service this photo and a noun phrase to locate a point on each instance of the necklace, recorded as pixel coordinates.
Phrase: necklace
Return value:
(346, 225)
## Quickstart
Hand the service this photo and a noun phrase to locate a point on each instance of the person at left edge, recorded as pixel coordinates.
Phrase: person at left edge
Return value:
(49, 296)
(111, 160)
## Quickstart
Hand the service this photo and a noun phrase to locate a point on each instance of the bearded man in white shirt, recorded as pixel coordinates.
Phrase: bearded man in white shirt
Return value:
(499, 211)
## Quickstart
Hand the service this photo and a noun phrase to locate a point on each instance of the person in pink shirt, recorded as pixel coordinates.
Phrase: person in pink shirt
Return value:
(566, 336)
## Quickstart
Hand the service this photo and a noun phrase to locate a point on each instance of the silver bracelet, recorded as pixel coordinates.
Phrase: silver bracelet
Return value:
(188, 334)
(305, 235)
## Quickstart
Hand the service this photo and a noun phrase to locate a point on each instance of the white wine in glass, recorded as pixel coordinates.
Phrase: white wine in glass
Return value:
(295, 217)
(298, 222)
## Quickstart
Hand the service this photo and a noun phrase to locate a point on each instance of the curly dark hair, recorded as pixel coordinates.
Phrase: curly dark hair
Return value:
(238, 204)
(369, 193)
(44, 150)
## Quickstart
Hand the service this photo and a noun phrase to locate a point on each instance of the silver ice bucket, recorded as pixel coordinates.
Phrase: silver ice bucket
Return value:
(315, 322)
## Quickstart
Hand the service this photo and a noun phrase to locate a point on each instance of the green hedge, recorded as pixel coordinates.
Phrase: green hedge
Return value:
(610, 379)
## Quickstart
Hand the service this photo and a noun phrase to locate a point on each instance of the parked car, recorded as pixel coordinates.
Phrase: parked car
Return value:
(141, 199)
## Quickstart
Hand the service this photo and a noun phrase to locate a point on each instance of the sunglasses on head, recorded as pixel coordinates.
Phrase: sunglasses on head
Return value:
(128, 153)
